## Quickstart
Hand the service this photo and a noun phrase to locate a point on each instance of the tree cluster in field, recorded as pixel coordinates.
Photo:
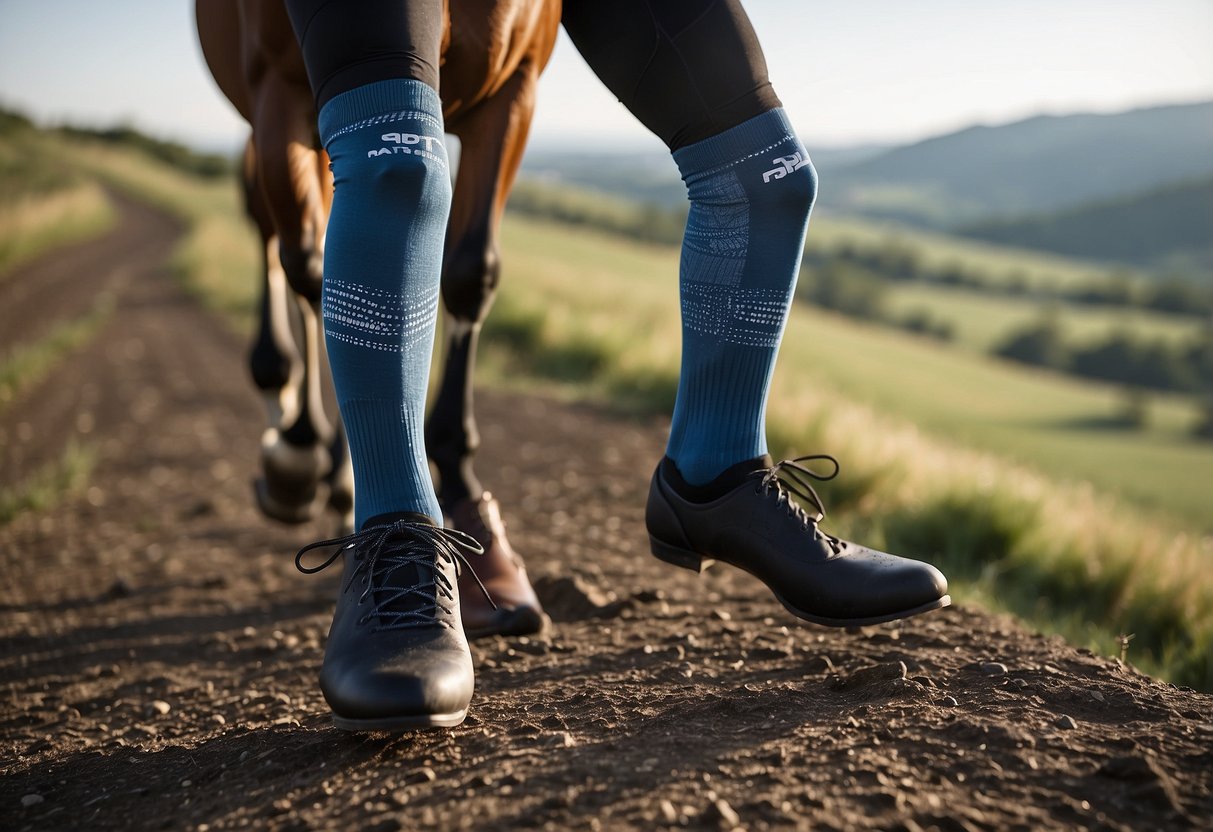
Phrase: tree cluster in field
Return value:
(646, 222)
(1185, 367)
(900, 261)
(855, 291)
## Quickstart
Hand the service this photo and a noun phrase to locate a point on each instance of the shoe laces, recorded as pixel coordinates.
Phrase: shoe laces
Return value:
(385, 553)
(791, 477)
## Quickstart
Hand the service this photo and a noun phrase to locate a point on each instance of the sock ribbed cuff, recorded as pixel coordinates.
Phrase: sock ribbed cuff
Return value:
(363, 105)
(754, 137)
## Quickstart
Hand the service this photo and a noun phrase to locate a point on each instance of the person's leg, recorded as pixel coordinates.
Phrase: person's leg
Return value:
(692, 71)
(373, 66)
(396, 655)
(694, 74)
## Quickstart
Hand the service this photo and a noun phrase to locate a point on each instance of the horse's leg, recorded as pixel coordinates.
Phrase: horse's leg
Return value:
(296, 459)
(492, 137)
(274, 360)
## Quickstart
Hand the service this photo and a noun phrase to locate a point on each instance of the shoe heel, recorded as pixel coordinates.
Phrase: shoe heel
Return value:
(678, 557)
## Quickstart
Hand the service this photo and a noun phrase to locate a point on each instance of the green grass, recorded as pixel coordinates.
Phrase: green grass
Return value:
(48, 485)
(218, 255)
(940, 251)
(981, 321)
(1063, 427)
(574, 284)
(44, 204)
(24, 365)
(1000, 474)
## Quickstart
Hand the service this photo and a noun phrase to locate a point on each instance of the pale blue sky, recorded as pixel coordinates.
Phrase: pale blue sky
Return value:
(865, 70)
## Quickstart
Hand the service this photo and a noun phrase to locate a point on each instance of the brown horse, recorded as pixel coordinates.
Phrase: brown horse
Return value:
(492, 54)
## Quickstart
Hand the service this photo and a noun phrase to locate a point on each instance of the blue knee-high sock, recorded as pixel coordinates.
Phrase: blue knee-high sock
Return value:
(382, 263)
(751, 190)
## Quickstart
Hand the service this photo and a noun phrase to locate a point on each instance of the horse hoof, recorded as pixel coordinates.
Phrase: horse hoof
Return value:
(291, 510)
(292, 489)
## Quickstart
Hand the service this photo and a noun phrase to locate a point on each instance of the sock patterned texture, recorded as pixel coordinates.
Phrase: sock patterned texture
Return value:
(751, 190)
(382, 264)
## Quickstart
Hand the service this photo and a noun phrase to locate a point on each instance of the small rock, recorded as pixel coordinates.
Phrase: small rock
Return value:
(668, 813)
(1066, 723)
(871, 676)
(949, 702)
(724, 813)
(1097, 696)
(219, 719)
(161, 707)
(573, 598)
(425, 774)
(120, 588)
(31, 800)
(721, 615)
(1148, 784)
(819, 664)
(993, 668)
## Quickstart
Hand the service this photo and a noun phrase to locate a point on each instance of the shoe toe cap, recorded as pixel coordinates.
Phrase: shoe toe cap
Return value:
(903, 584)
(417, 681)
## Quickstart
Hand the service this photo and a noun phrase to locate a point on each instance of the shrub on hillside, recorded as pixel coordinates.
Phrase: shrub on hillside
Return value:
(1122, 358)
(843, 287)
(1041, 344)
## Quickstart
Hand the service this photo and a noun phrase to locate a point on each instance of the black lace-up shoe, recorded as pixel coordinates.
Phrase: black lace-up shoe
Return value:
(748, 518)
(397, 657)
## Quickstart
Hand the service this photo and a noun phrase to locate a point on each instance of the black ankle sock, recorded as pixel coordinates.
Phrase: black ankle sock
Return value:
(726, 481)
(392, 516)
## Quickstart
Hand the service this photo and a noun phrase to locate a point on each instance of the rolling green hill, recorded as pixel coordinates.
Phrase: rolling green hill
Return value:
(1168, 228)
(1041, 164)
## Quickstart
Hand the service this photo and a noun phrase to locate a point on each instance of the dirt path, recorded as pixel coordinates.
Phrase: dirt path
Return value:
(160, 652)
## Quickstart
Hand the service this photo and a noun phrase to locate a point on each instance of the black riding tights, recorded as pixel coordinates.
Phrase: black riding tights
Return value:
(688, 69)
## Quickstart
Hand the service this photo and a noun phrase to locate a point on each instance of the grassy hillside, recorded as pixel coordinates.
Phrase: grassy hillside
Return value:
(43, 203)
(1169, 227)
(1041, 164)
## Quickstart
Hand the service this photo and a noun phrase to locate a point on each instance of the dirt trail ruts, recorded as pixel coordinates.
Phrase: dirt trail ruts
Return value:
(160, 652)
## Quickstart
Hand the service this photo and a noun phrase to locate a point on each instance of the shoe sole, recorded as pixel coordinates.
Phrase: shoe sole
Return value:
(686, 559)
(396, 724)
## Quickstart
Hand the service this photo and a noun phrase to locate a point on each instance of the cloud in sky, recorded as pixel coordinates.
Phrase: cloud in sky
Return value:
(871, 70)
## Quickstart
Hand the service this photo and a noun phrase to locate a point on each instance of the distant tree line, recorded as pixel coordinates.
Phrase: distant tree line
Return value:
(896, 260)
(209, 165)
(1185, 367)
(173, 153)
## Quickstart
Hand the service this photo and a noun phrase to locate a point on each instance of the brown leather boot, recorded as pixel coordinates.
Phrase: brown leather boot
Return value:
(501, 571)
